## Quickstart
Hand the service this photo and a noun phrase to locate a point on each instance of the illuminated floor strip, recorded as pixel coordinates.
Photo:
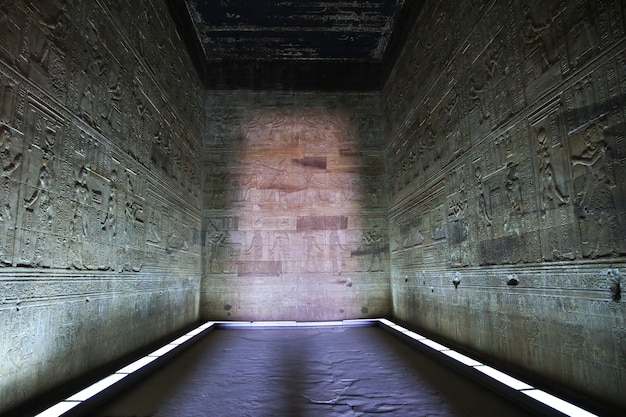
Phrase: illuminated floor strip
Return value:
(500, 377)
(91, 391)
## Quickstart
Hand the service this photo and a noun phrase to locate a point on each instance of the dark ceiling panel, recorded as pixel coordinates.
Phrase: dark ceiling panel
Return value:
(264, 29)
(298, 44)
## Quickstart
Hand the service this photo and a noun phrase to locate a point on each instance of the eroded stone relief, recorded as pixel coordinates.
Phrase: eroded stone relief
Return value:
(519, 119)
(84, 209)
(298, 177)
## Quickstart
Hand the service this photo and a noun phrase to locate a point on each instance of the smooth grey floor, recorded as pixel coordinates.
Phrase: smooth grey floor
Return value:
(336, 371)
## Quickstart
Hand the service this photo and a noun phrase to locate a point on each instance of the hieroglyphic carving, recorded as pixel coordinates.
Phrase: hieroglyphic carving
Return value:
(551, 154)
(77, 186)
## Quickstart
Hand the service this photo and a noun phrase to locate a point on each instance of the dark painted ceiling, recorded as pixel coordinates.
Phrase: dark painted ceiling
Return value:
(296, 44)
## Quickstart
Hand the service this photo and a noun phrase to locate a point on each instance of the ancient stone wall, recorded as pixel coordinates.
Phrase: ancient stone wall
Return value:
(99, 202)
(294, 210)
(507, 180)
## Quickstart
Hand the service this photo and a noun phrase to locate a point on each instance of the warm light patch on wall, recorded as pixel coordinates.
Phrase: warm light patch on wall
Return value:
(295, 192)
(302, 243)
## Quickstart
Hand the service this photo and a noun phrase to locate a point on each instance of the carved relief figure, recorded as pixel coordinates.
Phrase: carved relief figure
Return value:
(549, 189)
(478, 88)
(255, 249)
(536, 31)
(38, 218)
(280, 248)
(337, 249)
(153, 234)
(595, 194)
(216, 241)
(112, 114)
(514, 200)
(582, 35)
(7, 100)
(10, 162)
(593, 161)
(312, 253)
(79, 222)
(86, 105)
(374, 244)
(458, 198)
(412, 237)
(483, 197)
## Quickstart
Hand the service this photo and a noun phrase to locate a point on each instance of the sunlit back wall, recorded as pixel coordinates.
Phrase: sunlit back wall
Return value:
(294, 209)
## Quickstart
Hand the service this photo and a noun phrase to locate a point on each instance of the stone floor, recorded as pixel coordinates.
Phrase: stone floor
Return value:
(305, 372)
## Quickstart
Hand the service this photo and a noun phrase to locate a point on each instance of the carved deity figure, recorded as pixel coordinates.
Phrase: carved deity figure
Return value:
(549, 189)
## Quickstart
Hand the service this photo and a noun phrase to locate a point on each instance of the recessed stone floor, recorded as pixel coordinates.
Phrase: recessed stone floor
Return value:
(333, 371)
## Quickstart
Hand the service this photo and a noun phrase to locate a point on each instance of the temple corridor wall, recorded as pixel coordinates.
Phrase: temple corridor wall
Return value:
(294, 210)
(100, 120)
(507, 182)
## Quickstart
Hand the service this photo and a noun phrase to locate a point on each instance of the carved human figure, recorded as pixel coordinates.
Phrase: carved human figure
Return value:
(312, 253)
(549, 189)
(337, 248)
(596, 195)
(514, 200)
(483, 197)
(373, 241)
(79, 222)
(537, 34)
(112, 100)
(593, 160)
(96, 61)
(216, 241)
(86, 105)
(153, 234)
(7, 100)
(10, 162)
(255, 249)
(477, 93)
(280, 248)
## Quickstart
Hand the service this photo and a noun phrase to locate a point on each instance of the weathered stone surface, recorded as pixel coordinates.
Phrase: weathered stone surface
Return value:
(507, 164)
(302, 174)
(100, 199)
